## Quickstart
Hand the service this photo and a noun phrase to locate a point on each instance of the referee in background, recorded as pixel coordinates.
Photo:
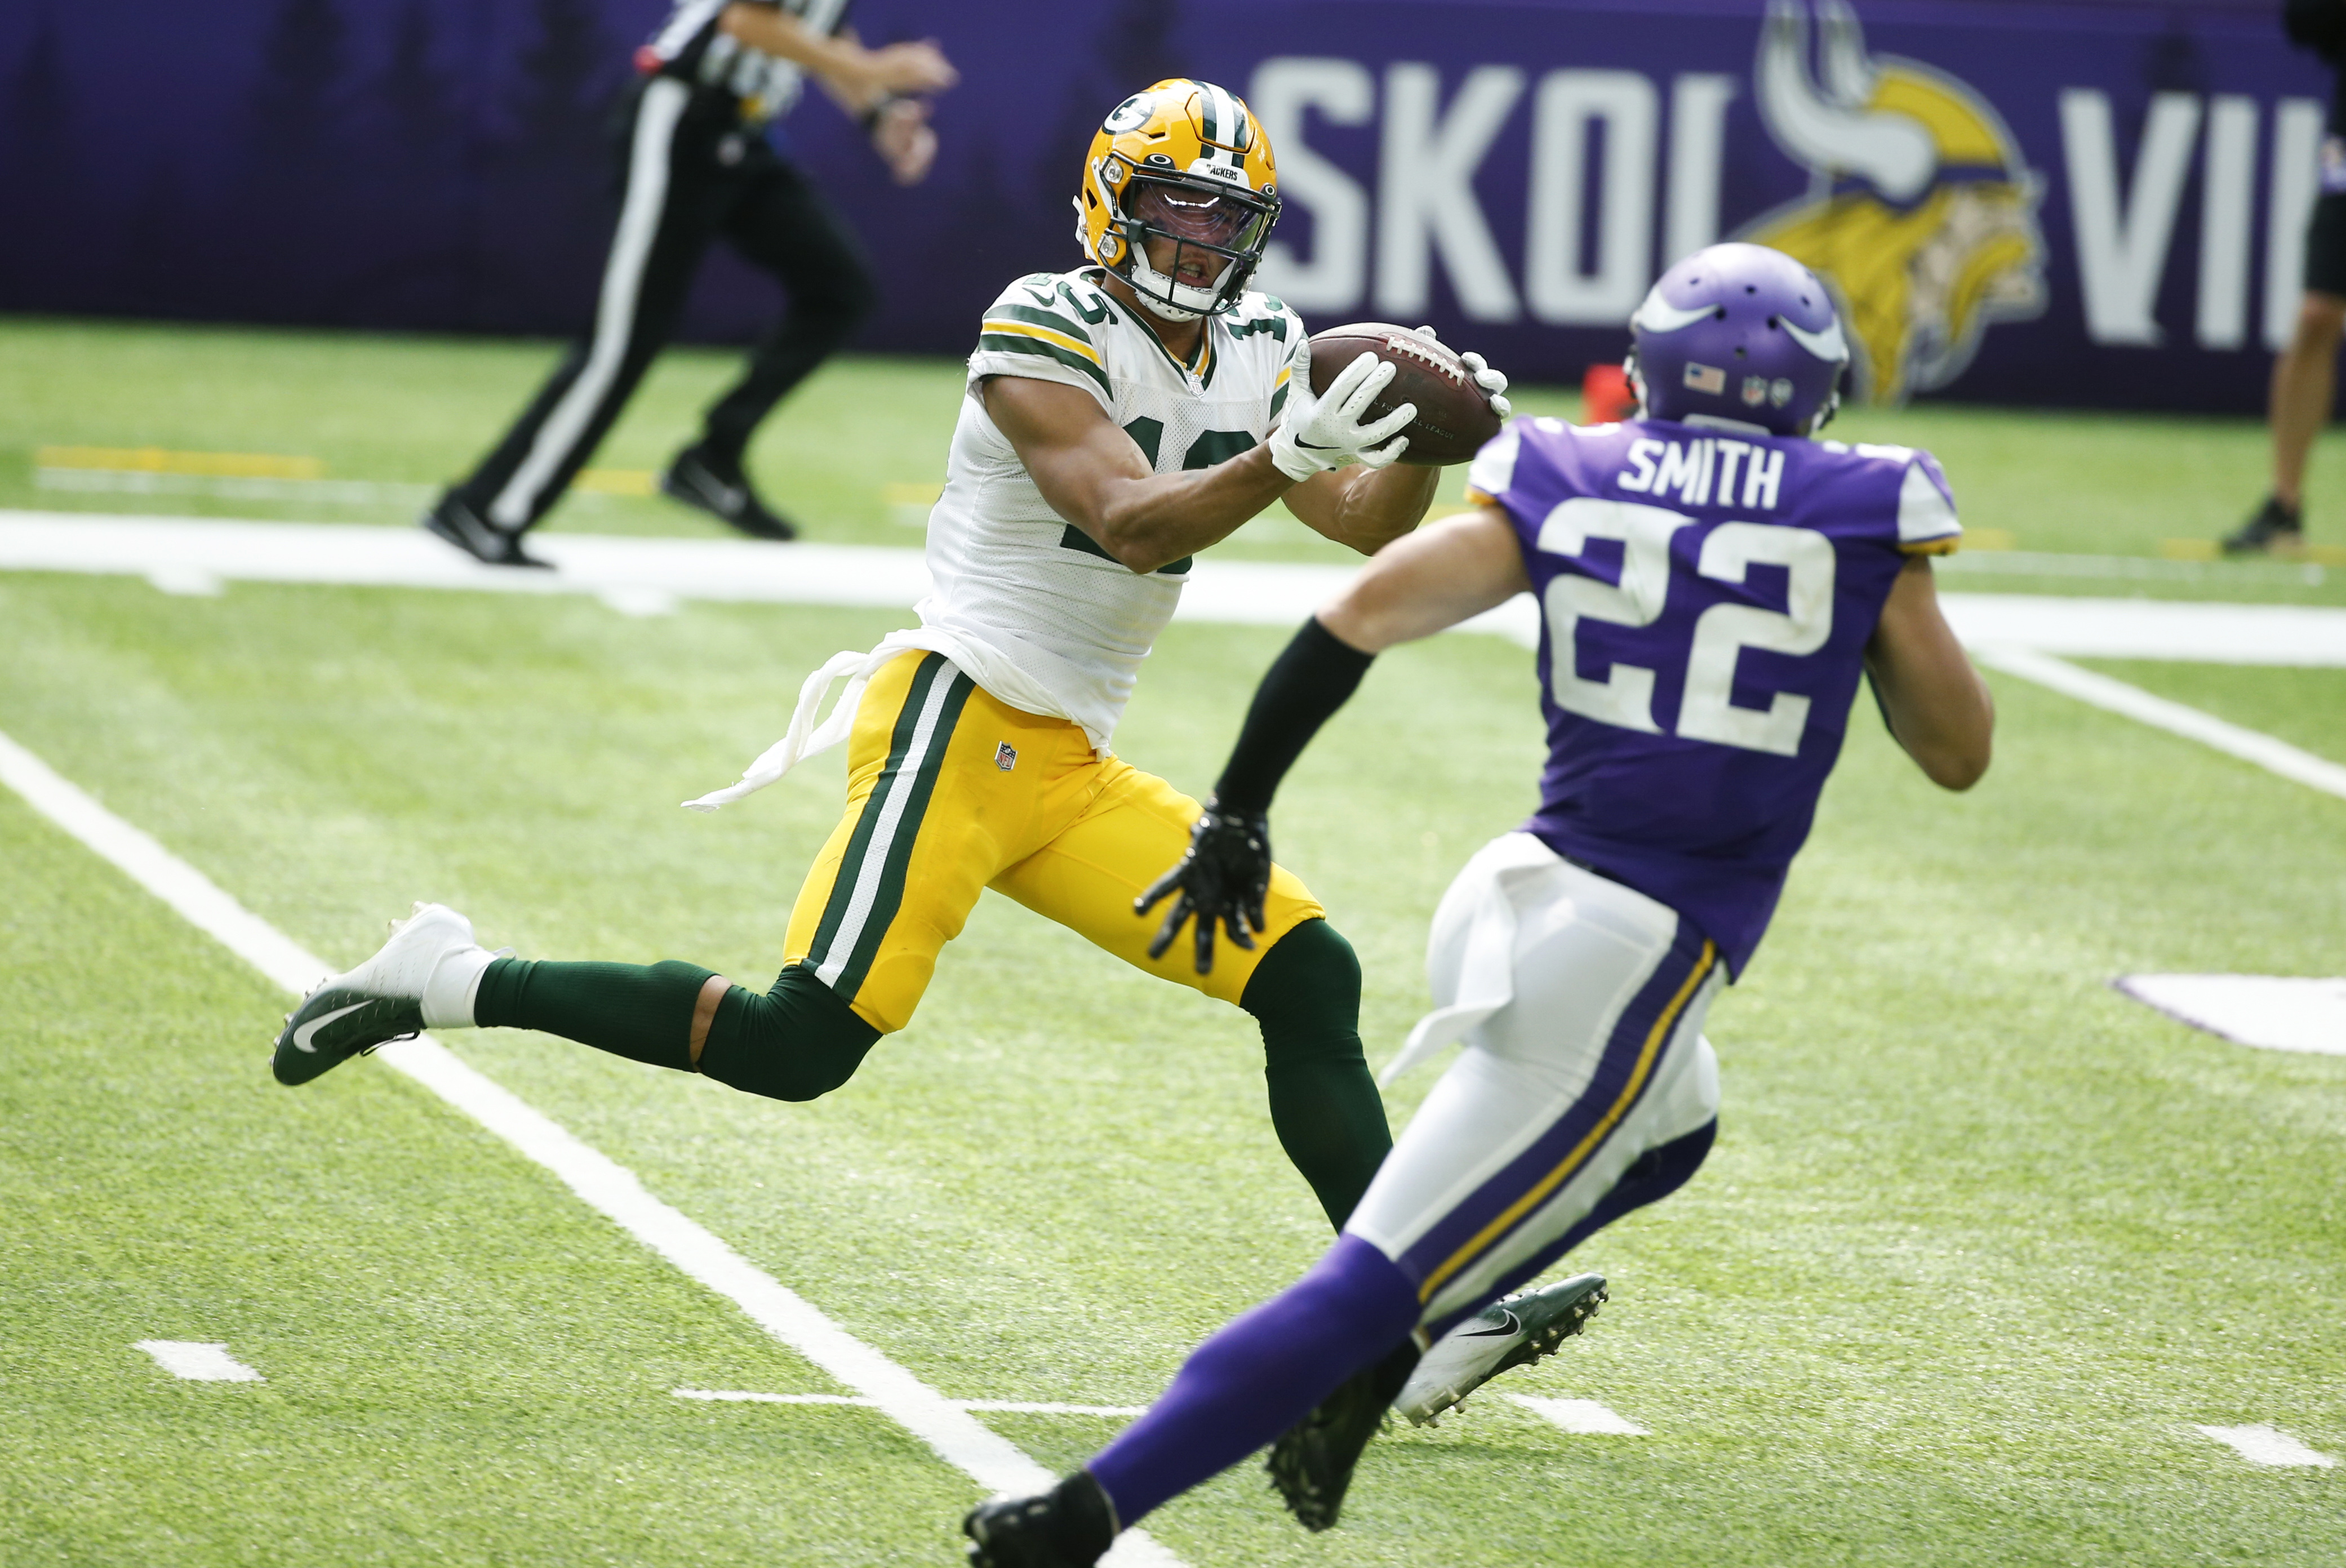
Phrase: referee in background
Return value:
(698, 165)
(2305, 376)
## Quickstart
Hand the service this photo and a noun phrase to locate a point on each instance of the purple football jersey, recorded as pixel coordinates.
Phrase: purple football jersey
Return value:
(1706, 596)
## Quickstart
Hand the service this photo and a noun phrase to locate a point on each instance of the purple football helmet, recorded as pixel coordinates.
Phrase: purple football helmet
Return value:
(1741, 333)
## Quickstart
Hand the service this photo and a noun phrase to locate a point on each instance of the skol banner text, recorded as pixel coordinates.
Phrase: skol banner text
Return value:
(2090, 205)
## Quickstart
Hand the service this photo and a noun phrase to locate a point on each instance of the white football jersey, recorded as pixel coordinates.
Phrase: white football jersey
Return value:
(1042, 618)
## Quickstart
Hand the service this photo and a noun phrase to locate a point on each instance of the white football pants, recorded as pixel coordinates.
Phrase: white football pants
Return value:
(1581, 1002)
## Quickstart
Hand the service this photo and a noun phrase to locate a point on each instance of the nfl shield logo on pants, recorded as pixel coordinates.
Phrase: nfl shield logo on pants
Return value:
(1005, 758)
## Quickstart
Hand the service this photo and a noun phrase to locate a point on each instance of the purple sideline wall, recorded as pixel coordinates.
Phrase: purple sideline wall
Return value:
(2094, 204)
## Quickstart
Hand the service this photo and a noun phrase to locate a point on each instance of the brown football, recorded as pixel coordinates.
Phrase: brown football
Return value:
(1454, 418)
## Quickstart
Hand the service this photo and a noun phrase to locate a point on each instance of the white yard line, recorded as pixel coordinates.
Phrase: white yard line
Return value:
(198, 1361)
(1020, 1407)
(607, 1187)
(1585, 1417)
(2264, 1445)
(2248, 745)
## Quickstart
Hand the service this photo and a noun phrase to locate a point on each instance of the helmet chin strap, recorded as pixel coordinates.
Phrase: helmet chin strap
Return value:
(1164, 301)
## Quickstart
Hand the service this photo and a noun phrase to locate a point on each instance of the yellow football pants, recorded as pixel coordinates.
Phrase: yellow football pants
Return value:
(951, 791)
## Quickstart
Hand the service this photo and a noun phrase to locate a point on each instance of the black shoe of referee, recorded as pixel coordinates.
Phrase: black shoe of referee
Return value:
(2275, 530)
(463, 527)
(719, 488)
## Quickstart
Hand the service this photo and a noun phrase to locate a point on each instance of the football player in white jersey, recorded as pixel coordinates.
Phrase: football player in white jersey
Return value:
(1120, 419)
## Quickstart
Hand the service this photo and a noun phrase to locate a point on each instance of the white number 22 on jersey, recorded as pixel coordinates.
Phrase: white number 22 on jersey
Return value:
(1625, 696)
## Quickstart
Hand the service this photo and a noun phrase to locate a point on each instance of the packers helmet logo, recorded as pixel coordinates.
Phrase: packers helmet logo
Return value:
(1924, 220)
(1184, 171)
(1129, 114)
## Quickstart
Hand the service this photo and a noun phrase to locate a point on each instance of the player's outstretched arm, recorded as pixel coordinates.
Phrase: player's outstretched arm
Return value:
(863, 77)
(1430, 581)
(1434, 579)
(1093, 476)
(1935, 702)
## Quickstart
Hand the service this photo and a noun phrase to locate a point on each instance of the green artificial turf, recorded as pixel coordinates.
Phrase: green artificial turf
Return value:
(459, 1367)
(852, 451)
(2305, 706)
(1981, 1241)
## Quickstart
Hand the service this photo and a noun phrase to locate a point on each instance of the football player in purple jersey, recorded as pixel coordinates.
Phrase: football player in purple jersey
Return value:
(1713, 582)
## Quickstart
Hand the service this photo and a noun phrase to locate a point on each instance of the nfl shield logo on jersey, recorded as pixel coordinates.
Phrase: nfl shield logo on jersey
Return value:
(1005, 756)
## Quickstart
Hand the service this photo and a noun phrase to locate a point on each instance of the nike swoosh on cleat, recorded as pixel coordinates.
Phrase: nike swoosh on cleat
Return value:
(1514, 1325)
(308, 1031)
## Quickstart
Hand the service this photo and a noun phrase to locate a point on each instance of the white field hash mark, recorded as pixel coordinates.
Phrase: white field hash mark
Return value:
(199, 1362)
(606, 1185)
(1583, 1417)
(2264, 1445)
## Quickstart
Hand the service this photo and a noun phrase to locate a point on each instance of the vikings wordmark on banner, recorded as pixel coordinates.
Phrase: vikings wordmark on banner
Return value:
(1920, 217)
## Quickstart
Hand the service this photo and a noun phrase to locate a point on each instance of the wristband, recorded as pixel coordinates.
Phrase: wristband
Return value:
(871, 121)
(1306, 684)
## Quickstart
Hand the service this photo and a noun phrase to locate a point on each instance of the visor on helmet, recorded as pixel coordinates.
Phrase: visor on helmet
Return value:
(1186, 212)
(1217, 235)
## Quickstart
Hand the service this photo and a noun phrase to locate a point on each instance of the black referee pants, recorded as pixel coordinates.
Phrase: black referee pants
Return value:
(689, 178)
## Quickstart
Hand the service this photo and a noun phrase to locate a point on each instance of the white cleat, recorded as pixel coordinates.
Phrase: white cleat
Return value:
(429, 965)
(1515, 1332)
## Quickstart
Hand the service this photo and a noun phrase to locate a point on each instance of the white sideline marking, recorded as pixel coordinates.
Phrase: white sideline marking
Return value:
(1254, 593)
(1586, 1418)
(199, 1362)
(2273, 1013)
(2248, 745)
(1022, 1407)
(2176, 629)
(608, 1187)
(2264, 1445)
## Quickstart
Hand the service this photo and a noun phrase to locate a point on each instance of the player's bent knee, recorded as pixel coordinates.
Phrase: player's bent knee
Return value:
(1306, 994)
(797, 1042)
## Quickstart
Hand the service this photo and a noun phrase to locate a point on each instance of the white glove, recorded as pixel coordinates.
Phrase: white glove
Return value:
(1493, 383)
(1326, 432)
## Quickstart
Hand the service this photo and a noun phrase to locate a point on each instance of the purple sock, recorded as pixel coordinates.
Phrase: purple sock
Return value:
(1259, 1375)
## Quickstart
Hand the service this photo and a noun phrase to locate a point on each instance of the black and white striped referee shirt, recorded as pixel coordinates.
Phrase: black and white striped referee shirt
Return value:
(689, 48)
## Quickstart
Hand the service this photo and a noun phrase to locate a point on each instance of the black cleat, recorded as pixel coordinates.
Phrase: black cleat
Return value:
(1311, 1463)
(2275, 530)
(1068, 1526)
(380, 1001)
(723, 491)
(1511, 1333)
(458, 523)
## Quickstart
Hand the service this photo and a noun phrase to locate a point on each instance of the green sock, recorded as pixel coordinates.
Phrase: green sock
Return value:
(1324, 1105)
(641, 1011)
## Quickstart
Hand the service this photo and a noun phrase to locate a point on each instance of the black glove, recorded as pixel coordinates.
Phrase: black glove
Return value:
(1224, 876)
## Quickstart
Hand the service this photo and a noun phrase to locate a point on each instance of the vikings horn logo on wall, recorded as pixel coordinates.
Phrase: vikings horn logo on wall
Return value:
(1921, 217)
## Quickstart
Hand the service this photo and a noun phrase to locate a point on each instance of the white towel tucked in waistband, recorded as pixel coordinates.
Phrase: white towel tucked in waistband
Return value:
(1474, 937)
(805, 738)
